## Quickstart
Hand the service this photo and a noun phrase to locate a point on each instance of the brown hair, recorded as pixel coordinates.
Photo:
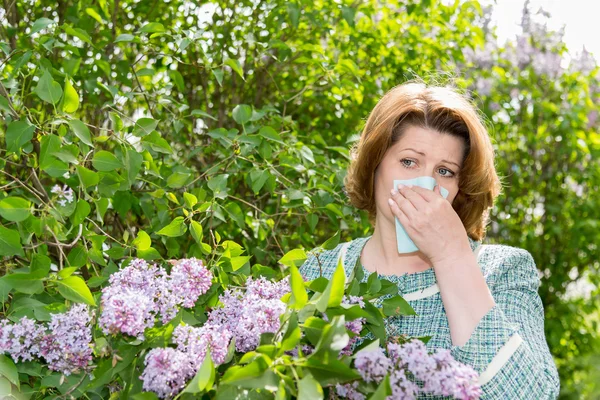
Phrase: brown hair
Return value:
(442, 109)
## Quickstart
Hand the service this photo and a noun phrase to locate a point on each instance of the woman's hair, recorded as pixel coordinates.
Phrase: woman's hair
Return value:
(444, 110)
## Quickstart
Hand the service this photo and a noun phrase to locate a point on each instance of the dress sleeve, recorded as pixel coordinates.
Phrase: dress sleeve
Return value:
(508, 347)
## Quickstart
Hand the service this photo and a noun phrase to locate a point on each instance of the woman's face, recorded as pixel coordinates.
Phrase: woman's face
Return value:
(441, 159)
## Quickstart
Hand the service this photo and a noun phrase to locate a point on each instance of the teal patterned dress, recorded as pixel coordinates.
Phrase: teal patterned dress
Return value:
(508, 348)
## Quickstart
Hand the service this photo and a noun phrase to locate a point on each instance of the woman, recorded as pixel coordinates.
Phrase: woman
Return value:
(479, 301)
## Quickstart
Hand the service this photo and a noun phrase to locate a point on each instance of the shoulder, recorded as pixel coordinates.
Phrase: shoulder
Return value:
(323, 262)
(504, 265)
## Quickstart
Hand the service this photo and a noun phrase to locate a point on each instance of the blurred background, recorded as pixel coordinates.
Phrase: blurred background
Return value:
(256, 103)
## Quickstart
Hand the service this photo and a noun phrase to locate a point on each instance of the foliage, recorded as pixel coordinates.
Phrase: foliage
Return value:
(167, 130)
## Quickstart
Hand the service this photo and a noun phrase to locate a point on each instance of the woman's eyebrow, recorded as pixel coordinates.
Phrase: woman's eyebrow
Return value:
(423, 154)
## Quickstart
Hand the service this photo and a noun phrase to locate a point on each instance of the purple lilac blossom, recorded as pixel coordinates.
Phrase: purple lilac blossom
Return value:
(166, 371)
(349, 391)
(20, 340)
(195, 341)
(372, 365)
(248, 315)
(140, 292)
(402, 387)
(190, 279)
(440, 372)
(67, 347)
(127, 311)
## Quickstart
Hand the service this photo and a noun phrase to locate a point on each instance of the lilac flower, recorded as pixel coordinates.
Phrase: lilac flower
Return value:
(191, 280)
(248, 315)
(349, 391)
(265, 289)
(372, 365)
(167, 371)
(67, 347)
(65, 194)
(20, 340)
(140, 292)
(138, 275)
(402, 387)
(126, 310)
(441, 374)
(196, 341)
(451, 378)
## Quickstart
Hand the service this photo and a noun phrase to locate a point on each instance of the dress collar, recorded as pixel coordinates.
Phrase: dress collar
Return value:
(406, 282)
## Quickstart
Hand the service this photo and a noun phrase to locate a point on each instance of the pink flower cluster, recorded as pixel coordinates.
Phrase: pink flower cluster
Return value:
(64, 343)
(248, 315)
(140, 292)
(243, 317)
(440, 373)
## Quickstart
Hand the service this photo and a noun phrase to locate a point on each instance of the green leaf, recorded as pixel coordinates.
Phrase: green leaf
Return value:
(153, 27)
(309, 389)
(24, 283)
(87, 177)
(8, 369)
(92, 13)
(157, 143)
(17, 134)
(40, 24)
(200, 113)
(196, 230)
(348, 13)
(78, 33)
(125, 37)
(105, 161)
(15, 209)
(176, 228)
(77, 256)
(330, 373)
(299, 297)
(81, 131)
(236, 66)
(242, 113)
(75, 289)
(269, 133)
(397, 306)
(332, 242)
(254, 375)
(205, 376)
(177, 78)
(48, 89)
(144, 126)
(218, 184)
(292, 335)
(177, 179)
(82, 210)
(294, 257)
(71, 99)
(142, 241)
(334, 292)
(10, 242)
(190, 200)
(218, 73)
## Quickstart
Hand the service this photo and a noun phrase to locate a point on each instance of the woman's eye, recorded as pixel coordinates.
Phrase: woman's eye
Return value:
(406, 160)
(450, 173)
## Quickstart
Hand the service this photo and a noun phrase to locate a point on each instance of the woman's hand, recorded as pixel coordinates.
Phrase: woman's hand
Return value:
(431, 223)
